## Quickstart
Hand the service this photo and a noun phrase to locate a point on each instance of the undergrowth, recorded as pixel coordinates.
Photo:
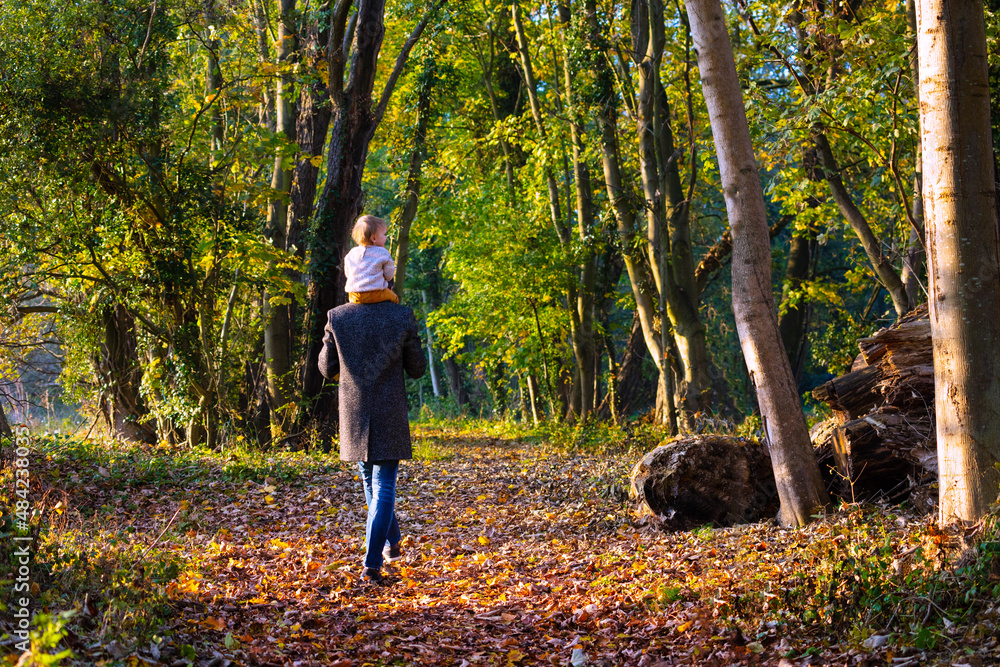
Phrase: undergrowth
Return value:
(865, 571)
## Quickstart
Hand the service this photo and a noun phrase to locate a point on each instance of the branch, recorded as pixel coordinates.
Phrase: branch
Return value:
(149, 30)
(401, 59)
(719, 253)
(24, 310)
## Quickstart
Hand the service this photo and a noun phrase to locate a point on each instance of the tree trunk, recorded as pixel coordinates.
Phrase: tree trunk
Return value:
(963, 253)
(582, 321)
(455, 381)
(120, 375)
(5, 430)
(409, 212)
(796, 473)
(668, 228)
(793, 323)
(342, 198)
(884, 270)
(579, 297)
(354, 119)
(643, 286)
(914, 255)
(277, 339)
(311, 127)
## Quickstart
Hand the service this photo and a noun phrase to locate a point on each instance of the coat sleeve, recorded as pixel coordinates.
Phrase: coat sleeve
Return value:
(414, 361)
(329, 359)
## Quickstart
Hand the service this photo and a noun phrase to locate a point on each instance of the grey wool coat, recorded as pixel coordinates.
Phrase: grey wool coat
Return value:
(370, 346)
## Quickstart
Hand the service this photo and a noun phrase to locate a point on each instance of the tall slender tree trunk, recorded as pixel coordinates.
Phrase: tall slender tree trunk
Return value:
(963, 253)
(914, 255)
(668, 228)
(640, 277)
(796, 472)
(404, 221)
(582, 321)
(579, 295)
(883, 268)
(793, 322)
(277, 340)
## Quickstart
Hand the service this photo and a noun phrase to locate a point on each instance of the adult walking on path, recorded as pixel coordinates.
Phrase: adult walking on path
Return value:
(370, 346)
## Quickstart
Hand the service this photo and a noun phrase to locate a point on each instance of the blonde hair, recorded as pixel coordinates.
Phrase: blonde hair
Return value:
(366, 227)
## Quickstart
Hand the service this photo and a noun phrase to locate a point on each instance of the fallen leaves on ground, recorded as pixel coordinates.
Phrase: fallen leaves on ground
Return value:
(514, 554)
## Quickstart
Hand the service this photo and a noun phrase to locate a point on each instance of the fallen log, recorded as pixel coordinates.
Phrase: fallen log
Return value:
(696, 480)
(881, 436)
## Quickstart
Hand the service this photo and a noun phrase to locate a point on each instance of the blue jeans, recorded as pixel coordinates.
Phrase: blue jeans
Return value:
(379, 479)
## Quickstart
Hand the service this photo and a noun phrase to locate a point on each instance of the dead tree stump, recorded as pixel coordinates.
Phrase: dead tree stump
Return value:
(699, 479)
(882, 432)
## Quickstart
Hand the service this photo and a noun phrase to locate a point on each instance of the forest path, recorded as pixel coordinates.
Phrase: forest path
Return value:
(516, 553)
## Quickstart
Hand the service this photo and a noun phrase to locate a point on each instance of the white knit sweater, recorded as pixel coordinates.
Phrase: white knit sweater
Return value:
(368, 268)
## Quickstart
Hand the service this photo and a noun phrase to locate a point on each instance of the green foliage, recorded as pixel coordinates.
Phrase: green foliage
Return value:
(50, 629)
(858, 580)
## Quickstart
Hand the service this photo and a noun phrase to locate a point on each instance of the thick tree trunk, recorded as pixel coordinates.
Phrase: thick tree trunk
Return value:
(120, 374)
(342, 198)
(963, 252)
(796, 473)
(354, 119)
(882, 433)
(694, 480)
(311, 126)
(277, 338)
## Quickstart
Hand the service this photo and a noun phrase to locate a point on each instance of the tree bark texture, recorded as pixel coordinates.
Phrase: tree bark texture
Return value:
(354, 118)
(640, 277)
(120, 373)
(963, 252)
(794, 322)
(668, 229)
(796, 472)
(277, 338)
(582, 311)
(405, 218)
(882, 433)
(694, 480)
(5, 430)
(353, 125)
(914, 256)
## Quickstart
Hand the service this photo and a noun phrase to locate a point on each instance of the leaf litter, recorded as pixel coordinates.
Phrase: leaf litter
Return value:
(515, 553)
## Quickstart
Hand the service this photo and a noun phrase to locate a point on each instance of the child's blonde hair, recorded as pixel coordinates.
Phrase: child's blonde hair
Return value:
(366, 227)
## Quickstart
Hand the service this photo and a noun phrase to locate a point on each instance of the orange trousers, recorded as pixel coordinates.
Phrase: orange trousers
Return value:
(375, 296)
